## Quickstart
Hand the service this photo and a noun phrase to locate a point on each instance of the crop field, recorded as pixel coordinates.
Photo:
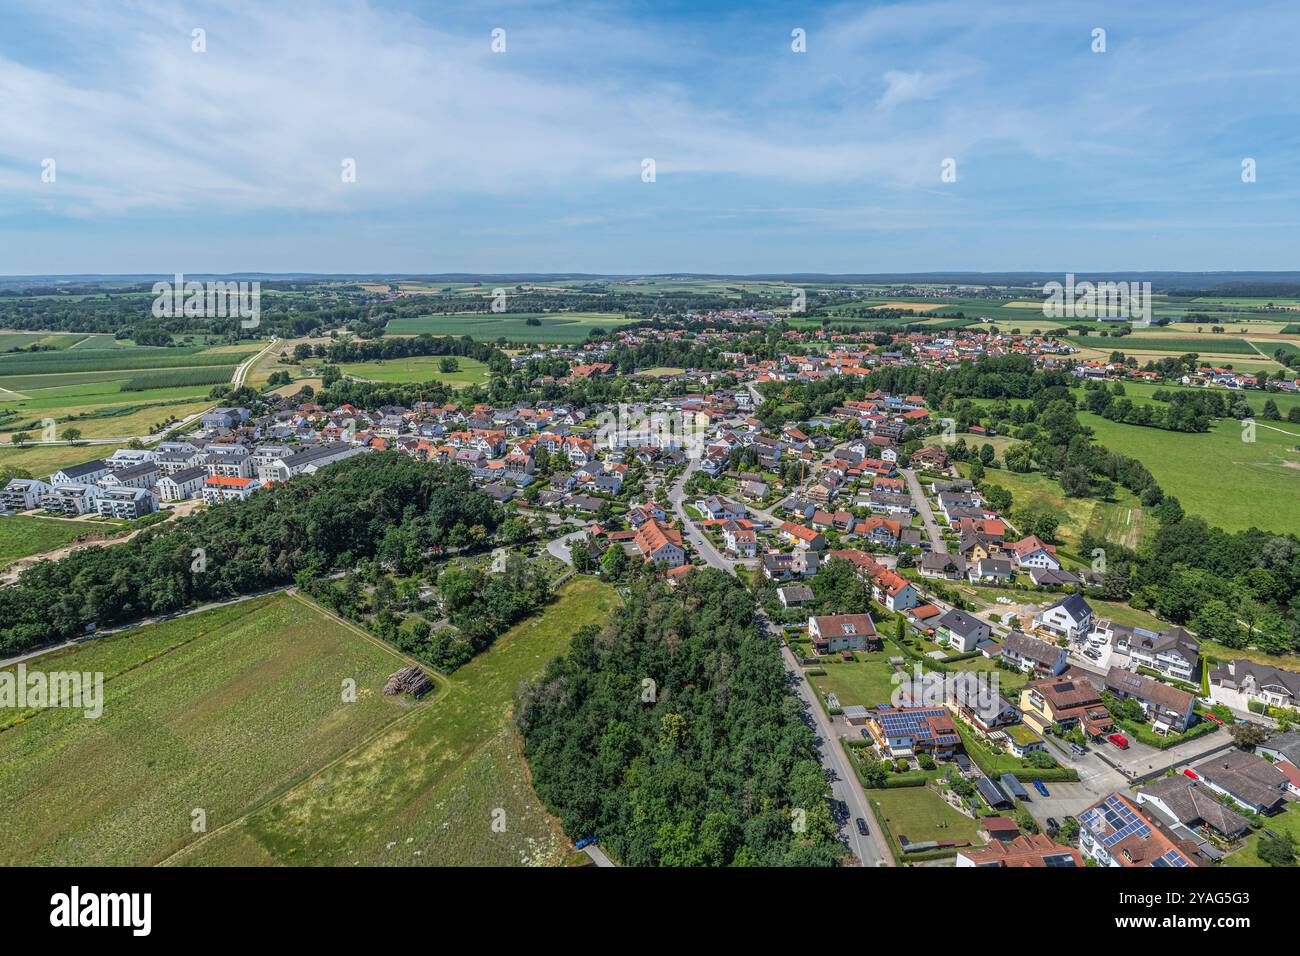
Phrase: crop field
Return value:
(427, 790)
(113, 360)
(23, 535)
(1232, 483)
(218, 711)
(419, 368)
(1200, 344)
(54, 340)
(555, 327)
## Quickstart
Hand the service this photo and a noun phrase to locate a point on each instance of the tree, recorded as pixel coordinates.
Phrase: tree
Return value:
(1217, 622)
(72, 435)
(1280, 852)
(21, 438)
(1270, 412)
(449, 363)
(1248, 736)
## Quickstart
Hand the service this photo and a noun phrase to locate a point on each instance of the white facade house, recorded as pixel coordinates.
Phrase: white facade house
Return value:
(1070, 618)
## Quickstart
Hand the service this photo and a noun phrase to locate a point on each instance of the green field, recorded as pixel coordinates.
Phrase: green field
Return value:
(554, 328)
(1122, 520)
(427, 790)
(1232, 483)
(105, 360)
(218, 711)
(419, 368)
(1208, 344)
(22, 536)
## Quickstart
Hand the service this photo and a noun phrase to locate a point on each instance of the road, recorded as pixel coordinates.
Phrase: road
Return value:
(937, 544)
(597, 855)
(676, 498)
(870, 850)
(236, 380)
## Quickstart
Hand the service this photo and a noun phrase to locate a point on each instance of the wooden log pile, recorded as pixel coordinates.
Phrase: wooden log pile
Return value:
(409, 680)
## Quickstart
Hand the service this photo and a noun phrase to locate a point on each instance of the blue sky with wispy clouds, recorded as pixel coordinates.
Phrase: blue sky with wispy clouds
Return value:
(530, 160)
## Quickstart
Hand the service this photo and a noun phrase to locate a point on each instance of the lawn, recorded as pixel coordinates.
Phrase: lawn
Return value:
(420, 368)
(866, 681)
(554, 327)
(920, 814)
(24, 535)
(1255, 483)
(218, 711)
(1032, 491)
(1286, 822)
(428, 789)
(43, 460)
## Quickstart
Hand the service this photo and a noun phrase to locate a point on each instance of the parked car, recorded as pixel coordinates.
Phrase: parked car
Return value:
(1077, 750)
(586, 842)
(1189, 772)
(862, 826)
(1053, 827)
(1209, 716)
(866, 734)
(1119, 740)
(1038, 785)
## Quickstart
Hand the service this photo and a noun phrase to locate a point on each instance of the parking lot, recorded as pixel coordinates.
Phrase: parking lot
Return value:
(1097, 776)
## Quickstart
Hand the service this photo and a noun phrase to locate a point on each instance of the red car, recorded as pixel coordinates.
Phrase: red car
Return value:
(1119, 740)
(1189, 772)
(1210, 716)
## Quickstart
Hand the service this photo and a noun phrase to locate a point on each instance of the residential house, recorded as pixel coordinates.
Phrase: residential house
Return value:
(1071, 618)
(1033, 552)
(950, 567)
(182, 485)
(990, 571)
(132, 476)
(843, 632)
(1250, 780)
(894, 591)
(1238, 683)
(72, 499)
(961, 631)
(1032, 850)
(86, 473)
(740, 538)
(907, 731)
(1184, 800)
(221, 488)
(1116, 831)
(802, 537)
(1066, 700)
(795, 595)
(126, 502)
(23, 494)
(1168, 708)
(660, 544)
(1034, 656)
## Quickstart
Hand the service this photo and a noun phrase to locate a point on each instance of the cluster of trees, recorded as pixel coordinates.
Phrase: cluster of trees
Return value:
(672, 734)
(383, 505)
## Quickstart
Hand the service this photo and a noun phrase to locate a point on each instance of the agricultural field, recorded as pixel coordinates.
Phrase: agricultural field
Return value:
(24, 535)
(419, 368)
(1233, 483)
(41, 461)
(426, 790)
(1207, 344)
(221, 711)
(554, 328)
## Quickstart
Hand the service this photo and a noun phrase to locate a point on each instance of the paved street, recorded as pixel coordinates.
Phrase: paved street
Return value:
(937, 544)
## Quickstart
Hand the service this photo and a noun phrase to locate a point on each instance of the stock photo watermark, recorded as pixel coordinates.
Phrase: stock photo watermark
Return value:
(214, 299)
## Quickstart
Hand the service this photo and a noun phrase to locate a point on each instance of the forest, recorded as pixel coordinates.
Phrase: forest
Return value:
(383, 505)
(672, 734)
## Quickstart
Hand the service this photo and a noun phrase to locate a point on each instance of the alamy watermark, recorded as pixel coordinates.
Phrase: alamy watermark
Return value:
(1098, 300)
(209, 300)
(37, 690)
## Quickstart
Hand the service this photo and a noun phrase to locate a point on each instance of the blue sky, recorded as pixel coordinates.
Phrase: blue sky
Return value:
(766, 160)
